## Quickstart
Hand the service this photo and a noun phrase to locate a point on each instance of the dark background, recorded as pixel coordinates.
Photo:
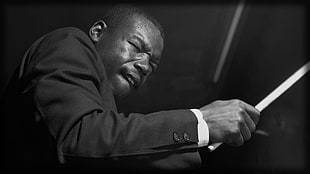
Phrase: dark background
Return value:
(270, 44)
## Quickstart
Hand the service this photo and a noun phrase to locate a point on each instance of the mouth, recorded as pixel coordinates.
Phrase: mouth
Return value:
(132, 80)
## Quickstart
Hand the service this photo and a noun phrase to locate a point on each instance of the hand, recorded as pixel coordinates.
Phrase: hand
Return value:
(230, 121)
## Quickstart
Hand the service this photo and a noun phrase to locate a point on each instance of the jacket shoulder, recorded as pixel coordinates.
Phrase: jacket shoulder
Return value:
(68, 33)
(60, 44)
(69, 40)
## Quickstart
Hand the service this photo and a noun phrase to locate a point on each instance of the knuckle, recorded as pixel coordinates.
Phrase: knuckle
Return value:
(237, 102)
(235, 130)
(239, 118)
(216, 101)
(241, 111)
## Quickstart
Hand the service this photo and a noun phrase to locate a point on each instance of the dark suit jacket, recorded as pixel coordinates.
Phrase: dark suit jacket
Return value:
(60, 108)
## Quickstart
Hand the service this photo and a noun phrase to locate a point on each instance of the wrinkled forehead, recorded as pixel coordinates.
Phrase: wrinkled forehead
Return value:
(145, 24)
(141, 24)
(144, 28)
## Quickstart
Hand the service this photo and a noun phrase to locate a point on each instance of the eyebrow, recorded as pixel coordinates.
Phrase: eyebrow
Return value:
(146, 48)
(143, 44)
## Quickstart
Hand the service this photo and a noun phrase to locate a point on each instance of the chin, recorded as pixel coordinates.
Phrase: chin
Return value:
(120, 88)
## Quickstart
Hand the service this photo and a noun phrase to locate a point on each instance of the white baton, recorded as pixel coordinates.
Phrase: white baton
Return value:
(275, 93)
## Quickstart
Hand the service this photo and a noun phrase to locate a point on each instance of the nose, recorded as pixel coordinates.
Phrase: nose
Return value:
(142, 65)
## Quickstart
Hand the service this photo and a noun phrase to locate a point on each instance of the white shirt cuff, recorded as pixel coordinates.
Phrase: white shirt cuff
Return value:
(202, 127)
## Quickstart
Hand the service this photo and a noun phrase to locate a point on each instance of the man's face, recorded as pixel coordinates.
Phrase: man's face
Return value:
(130, 54)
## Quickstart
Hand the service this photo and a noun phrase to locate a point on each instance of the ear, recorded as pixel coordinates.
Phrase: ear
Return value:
(97, 30)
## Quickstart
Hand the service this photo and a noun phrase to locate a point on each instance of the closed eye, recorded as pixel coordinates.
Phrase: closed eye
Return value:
(135, 46)
(140, 49)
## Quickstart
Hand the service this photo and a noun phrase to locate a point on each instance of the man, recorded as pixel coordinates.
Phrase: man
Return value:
(65, 113)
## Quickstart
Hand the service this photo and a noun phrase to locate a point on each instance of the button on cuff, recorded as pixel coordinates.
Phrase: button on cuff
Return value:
(176, 137)
(186, 137)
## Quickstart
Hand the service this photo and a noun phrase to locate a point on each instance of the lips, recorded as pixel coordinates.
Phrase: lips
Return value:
(132, 80)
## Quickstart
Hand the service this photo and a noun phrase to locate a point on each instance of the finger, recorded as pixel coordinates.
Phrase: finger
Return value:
(252, 111)
(248, 121)
(245, 131)
(237, 139)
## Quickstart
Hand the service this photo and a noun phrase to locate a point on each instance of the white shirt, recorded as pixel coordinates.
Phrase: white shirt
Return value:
(202, 127)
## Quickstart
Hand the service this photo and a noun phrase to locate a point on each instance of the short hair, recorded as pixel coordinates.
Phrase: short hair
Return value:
(120, 13)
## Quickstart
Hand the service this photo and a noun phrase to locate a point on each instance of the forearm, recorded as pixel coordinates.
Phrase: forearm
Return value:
(108, 134)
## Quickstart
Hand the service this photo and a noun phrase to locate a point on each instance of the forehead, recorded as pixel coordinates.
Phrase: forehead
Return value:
(138, 26)
(138, 22)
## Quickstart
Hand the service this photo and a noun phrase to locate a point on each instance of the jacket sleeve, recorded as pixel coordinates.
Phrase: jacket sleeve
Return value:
(72, 98)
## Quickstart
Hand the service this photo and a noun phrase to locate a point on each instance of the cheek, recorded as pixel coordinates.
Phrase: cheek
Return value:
(123, 53)
(122, 56)
(122, 50)
(115, 57)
